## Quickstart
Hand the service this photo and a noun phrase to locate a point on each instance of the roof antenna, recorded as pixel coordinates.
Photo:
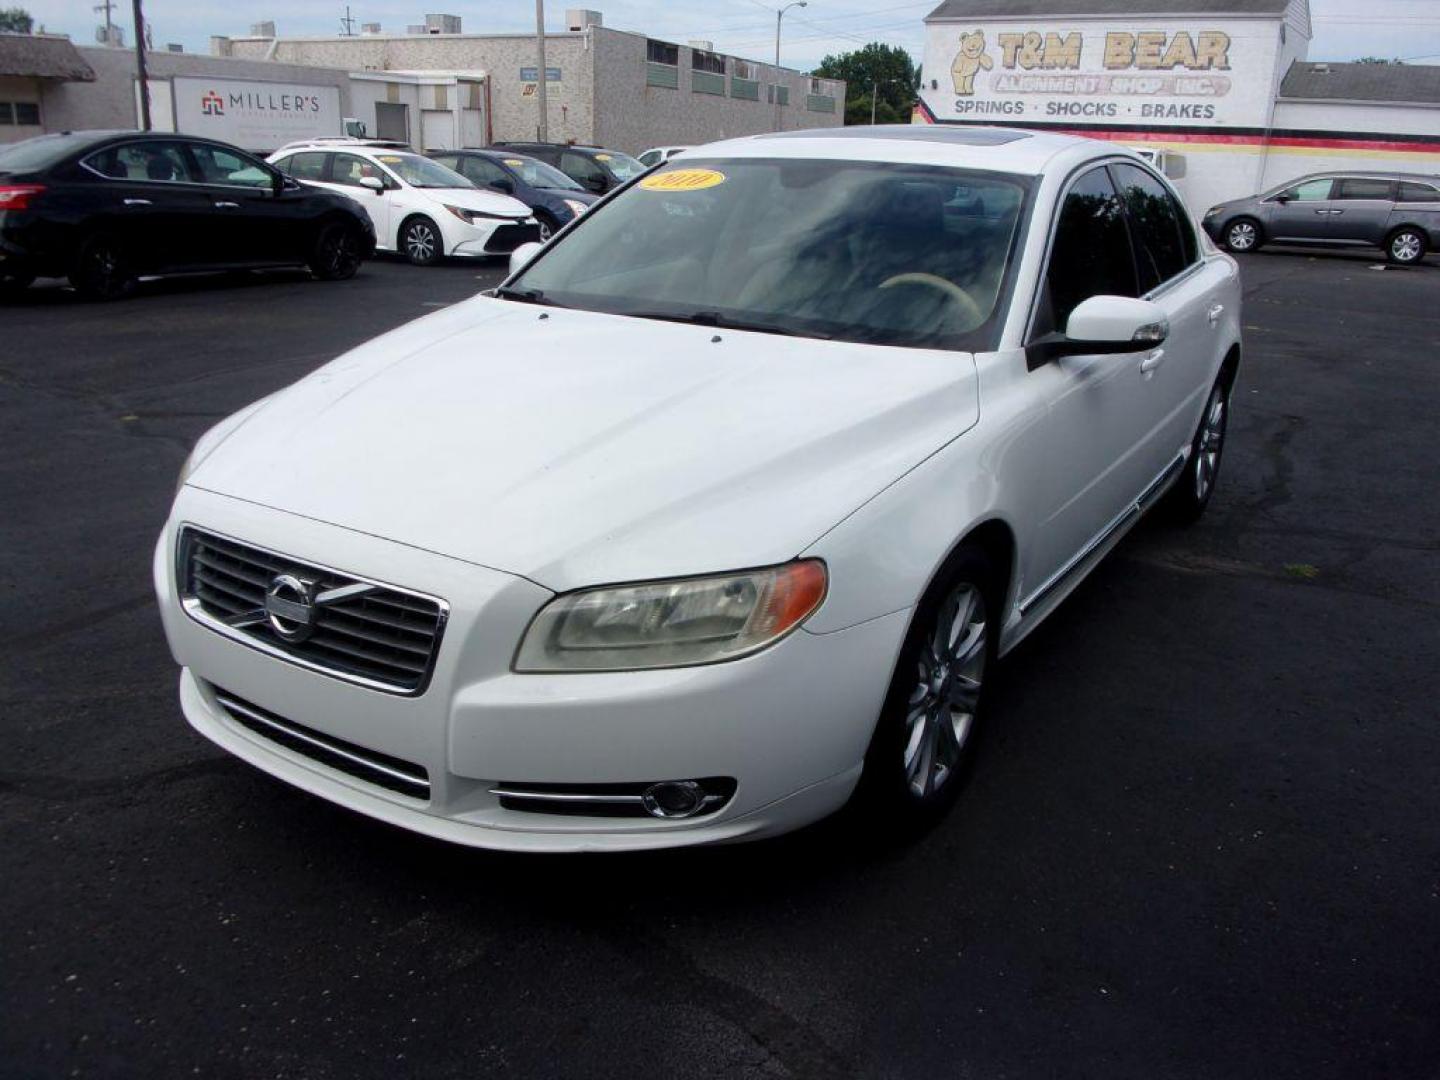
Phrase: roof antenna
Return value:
(348, 23)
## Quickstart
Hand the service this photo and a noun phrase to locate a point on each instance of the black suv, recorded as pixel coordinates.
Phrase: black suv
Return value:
(105, 207)
(596, 169)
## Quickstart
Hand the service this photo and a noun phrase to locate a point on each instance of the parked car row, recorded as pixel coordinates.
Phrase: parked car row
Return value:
(105, 208)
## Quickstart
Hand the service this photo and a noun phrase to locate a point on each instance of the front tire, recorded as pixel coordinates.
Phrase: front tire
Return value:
(920, 752)
(421, 242)
(548, 226)
(1242, 234)
(335, 255)
(1187, 499)
(103, 270)
(1406, 246)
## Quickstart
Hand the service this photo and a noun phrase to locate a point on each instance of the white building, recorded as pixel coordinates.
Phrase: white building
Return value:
(1219, 89)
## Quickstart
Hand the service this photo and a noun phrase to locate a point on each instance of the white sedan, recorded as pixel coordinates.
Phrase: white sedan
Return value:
(719, 513)
(420, 208)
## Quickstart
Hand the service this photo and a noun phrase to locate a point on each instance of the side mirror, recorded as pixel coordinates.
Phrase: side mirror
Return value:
(1282, 198)
(521, 256)
(502, 185)
(1105, 325)
(374, 183)
(595, 184)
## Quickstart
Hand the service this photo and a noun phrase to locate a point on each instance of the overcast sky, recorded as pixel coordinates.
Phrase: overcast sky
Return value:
(1344, 29)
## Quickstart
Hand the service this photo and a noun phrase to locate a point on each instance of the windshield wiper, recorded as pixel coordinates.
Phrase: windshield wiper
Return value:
(526, 296)
(724, 322)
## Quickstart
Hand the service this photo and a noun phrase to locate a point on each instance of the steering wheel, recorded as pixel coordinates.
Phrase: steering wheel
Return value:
(949, 288)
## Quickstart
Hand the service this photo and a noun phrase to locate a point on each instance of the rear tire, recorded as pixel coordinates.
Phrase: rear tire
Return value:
(335, 255)
(920, 753)
(102, 269)
(1242, 235)
(1405, 246)
(1187, 498)
(421, 242)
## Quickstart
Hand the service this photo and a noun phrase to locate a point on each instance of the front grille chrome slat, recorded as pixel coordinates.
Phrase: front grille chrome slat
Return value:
(378, 635)
(382, 770)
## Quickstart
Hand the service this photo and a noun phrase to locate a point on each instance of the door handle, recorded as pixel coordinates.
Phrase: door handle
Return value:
(1151, 361)
(1214, 313)
(223, 205)
(137, 202)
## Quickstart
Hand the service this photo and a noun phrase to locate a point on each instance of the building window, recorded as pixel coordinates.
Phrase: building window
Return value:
(25, 113)
(663, 64)
(782, 93)
(707, 61)
(745, 81)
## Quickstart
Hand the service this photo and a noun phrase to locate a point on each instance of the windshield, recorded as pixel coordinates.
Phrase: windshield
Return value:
(40, 152)
(538, 174)
(622, 165)
(881, 253)
(422, 172)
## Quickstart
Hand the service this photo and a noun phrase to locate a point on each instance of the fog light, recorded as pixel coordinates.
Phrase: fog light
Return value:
(673, 799)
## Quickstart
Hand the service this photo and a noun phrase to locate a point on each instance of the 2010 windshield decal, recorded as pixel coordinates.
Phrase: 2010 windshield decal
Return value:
(683, 180)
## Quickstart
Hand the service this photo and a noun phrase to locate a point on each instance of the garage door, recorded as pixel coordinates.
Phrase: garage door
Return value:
(437, 129)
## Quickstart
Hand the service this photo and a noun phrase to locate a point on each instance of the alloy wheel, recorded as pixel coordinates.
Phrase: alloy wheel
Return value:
(338, 252)
(1406, 247)
(940, 715)
(1241, 236)
(545, 230)
(420, 242)
(1212, 441)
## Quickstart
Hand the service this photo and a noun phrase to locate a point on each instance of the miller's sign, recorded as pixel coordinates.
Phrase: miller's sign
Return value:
(254, 114)
(1099, 71)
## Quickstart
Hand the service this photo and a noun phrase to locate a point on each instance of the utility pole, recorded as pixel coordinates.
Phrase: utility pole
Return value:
(544, 129)
(140, 75)
(776, 90)
(109, 24)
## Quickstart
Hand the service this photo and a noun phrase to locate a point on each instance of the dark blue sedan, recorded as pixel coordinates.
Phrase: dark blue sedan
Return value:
(556, 199)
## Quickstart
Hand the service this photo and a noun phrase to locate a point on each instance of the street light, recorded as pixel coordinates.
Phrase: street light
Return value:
(778, 16)
(543, 129)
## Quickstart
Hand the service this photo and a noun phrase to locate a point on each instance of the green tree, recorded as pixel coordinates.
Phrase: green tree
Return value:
(15, 21)
(890, 67)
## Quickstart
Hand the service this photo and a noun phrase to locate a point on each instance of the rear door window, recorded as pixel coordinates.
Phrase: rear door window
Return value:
(1358, 188)
(306, 166)
(1157, 226)
(1411, 192)
(143, 161)
(1091, 255)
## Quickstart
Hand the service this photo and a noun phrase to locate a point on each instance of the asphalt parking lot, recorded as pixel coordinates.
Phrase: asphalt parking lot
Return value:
(1202, 840)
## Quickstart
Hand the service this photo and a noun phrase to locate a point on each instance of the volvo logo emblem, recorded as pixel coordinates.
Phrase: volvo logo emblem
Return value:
(290, 608)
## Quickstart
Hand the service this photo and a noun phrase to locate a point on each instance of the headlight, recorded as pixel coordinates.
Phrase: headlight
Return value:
(472, 216)
(674, 623)
(576, 206)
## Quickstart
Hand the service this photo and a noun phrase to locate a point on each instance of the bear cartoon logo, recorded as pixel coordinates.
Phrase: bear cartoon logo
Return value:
(970, 59)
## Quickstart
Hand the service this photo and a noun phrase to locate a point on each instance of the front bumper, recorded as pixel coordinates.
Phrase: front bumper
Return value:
(790, 725)
(498, 238)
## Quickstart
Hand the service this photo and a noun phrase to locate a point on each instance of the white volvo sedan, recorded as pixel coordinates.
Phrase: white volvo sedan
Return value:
(718, 513)
(420, 208)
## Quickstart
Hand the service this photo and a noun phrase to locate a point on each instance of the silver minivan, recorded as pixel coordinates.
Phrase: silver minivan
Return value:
(1399, 212)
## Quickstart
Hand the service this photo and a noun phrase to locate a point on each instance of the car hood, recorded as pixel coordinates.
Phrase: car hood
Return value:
(487, 202)
(576, 448)
(586, 197)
